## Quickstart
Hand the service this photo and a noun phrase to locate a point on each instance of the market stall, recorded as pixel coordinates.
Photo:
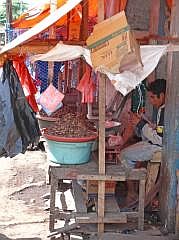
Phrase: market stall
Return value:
(124, 73)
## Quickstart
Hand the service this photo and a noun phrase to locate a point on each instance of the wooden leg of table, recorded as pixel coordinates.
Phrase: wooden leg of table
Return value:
(141, 204)
(54, 185)
(101, 194)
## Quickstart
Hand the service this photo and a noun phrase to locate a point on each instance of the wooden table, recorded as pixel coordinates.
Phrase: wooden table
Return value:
(89, 171)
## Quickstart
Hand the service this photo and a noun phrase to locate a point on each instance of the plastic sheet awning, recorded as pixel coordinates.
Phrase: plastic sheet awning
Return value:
(132, 74)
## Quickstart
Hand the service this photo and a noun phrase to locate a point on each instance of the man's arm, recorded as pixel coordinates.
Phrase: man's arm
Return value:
(151, 135)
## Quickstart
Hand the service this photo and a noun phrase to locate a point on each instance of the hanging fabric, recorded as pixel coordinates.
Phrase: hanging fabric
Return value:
(26, 82)
(10, 140)
(170, 3)
(24, 117)
(87, 86)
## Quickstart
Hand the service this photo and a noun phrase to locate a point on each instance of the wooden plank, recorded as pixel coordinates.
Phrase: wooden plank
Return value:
(169, 161)
(101, 177)
(102, 100)
(9, 12)
(108, 218)
(54, 183)
(100, 10)
(101, 194)
(84, 21)
(102, 95)
(52, 34)
(90, 172)
(177, 207)
(79, 198)
(67, 215)
(119, 236)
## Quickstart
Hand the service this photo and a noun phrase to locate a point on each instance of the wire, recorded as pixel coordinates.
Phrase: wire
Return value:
(141, 100)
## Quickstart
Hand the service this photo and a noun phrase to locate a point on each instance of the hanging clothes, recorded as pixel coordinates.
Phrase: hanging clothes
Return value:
(170, 3)
(26, 82)
(24, 117)
(10, 140)
(41, 70)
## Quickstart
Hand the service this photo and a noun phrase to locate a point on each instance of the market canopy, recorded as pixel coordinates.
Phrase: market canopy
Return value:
(40, 11)
(41, 26)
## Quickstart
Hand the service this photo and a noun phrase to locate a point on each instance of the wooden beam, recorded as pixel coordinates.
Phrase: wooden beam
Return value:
(100, 10)
(52, 34)
(9, 11)
(171, 140)
(177, 208)
(84, 22)
(102, 95)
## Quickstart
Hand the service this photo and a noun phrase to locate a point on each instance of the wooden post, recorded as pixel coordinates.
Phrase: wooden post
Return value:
(170, 159)
(8, 19)
(102, 95)
(84, 21)
(83, 37)
(52, 35)
(8, 11)
(153, 28)
(141, 204)
(177, 208)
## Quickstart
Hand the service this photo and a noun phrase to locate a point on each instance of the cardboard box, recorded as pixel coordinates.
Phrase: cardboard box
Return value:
(112, 44)
(92, 187)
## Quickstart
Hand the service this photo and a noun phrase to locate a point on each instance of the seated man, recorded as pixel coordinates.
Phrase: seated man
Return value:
(151, 133)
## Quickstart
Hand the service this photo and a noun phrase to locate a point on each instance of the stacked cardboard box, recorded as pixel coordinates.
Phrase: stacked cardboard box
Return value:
(112, 44)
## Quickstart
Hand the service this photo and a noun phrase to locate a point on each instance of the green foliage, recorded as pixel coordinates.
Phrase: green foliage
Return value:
(18, 7)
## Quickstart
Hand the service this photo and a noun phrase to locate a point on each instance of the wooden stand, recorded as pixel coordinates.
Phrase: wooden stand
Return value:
(89, 171)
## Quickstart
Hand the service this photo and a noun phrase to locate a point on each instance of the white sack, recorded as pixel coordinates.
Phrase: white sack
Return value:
(129, 79)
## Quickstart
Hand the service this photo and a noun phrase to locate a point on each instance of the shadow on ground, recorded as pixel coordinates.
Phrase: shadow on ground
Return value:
(3, 237)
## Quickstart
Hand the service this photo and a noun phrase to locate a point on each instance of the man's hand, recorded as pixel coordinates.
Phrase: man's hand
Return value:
(115, 141)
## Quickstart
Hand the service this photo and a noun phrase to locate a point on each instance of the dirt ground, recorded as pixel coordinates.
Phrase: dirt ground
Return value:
(22, 185)
(24, 213)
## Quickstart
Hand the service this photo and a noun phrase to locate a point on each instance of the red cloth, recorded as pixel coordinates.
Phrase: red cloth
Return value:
(170, 3)
(87, 86)
(26, 82)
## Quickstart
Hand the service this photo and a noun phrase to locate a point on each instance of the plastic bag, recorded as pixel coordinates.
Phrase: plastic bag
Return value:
(51, 100)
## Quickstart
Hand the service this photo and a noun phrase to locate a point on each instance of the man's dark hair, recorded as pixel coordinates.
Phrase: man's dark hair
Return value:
(157, 87)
